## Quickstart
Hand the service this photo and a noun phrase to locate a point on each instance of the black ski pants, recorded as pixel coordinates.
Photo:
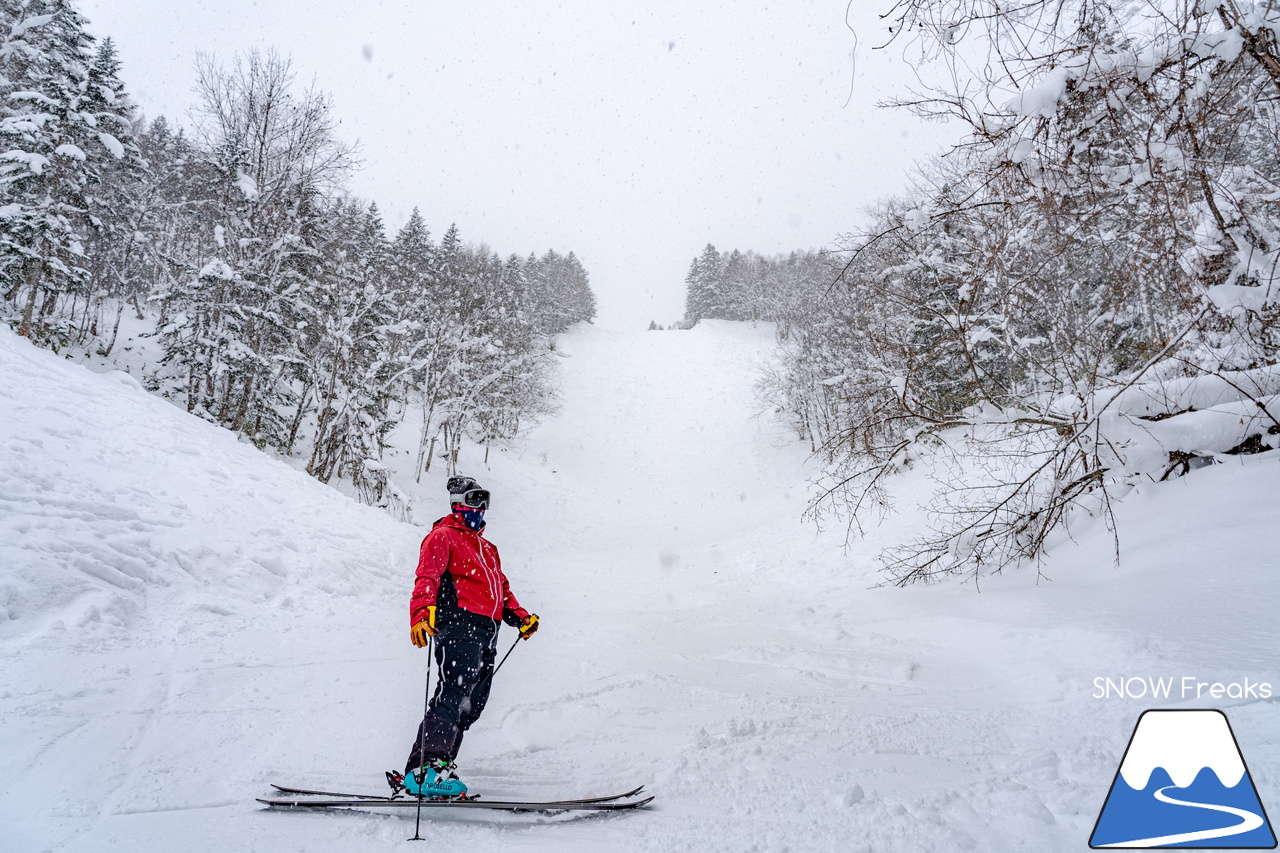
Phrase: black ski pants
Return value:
(465, 650)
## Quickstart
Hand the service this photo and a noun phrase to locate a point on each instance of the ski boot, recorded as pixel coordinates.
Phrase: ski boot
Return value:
(434, 780)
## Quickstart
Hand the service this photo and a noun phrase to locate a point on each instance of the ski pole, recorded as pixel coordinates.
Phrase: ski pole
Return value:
(422, 735)
(489, 680)
(504, 658)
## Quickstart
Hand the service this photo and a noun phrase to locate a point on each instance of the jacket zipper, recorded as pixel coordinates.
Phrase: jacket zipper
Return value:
(489, 578)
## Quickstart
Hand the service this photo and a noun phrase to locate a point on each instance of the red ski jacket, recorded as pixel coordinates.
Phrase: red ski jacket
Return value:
(472, 563)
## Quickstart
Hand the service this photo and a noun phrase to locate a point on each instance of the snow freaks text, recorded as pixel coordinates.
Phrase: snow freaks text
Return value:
(1184, 687)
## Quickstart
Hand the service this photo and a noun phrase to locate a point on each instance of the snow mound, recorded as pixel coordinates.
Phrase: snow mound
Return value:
(109, 498)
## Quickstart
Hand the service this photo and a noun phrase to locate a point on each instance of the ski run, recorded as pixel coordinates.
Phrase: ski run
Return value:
(185, 620)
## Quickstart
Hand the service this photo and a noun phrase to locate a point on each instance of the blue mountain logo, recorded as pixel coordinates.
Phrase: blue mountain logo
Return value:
(1183, 783)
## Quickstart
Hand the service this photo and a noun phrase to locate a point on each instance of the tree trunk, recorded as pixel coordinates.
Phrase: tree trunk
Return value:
(115, 332)
(427, 412)
(193, 388)
(297, 419)
(242, 410)
(431, 452)
(27, 311)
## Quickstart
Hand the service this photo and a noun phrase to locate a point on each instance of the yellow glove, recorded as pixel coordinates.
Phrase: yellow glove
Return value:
(424, 630)
(529, 627)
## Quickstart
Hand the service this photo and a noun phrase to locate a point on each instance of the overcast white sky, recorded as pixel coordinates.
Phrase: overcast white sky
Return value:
(632, 134)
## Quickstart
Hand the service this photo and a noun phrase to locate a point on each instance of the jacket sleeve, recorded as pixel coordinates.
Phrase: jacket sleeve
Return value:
(512, 613)
(433, 561)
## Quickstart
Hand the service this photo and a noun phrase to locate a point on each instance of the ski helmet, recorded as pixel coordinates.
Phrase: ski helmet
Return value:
(466, 491)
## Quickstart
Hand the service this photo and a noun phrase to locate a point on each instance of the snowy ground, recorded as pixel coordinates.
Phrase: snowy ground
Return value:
(184, 620)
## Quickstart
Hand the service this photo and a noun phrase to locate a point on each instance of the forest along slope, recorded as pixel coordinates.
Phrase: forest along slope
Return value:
(187, 620)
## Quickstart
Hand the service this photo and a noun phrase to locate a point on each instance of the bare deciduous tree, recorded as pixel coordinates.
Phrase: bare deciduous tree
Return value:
(1050, 306)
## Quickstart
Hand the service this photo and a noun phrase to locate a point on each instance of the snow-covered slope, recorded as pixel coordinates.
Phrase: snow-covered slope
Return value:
(113, 500)
(159, 582)
(189, 620)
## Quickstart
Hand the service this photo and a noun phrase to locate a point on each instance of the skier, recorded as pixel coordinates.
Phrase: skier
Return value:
(458, 598)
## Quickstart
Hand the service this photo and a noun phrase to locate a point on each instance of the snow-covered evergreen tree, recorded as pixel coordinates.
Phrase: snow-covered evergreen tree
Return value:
(704, 294)
(61, 108)
(115, 249)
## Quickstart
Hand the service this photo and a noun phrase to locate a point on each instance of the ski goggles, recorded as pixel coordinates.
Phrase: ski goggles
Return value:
(473, 499)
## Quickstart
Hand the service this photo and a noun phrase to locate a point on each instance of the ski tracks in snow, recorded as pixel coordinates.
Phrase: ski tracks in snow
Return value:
(773, 700)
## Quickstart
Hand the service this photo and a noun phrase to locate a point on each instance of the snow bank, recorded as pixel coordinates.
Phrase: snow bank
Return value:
(112, 501)
(1149, 424)
(1180, 394)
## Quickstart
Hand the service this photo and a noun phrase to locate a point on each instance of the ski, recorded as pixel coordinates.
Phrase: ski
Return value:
(339, 794)
(344, 796)
(413, 802)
